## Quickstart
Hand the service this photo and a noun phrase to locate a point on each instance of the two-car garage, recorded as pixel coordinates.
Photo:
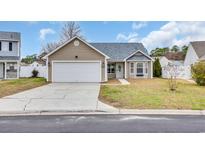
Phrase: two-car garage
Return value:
(76, 71)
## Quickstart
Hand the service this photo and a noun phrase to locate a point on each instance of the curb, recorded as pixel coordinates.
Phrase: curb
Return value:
(97, 112)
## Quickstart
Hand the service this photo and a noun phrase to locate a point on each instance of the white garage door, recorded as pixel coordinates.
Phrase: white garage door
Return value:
(76, 72)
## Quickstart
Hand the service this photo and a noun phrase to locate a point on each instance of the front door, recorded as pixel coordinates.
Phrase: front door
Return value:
(119, 70)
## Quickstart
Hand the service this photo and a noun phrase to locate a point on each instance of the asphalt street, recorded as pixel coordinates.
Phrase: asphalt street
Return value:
(103, 124)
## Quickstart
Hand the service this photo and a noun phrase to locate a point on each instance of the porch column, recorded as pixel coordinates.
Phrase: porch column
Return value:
(5, 70)
(151, 69)
(125, 70)
(106, 78)
(47, 69)
(18, 69)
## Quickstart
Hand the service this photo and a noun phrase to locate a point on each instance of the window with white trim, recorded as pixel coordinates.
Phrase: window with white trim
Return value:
(139, 69)
(111, 68)
(131, 68)
(146, 68)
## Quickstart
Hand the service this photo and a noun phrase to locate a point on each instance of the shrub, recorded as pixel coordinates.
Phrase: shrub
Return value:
(198, 73)
(157, 69)
(34, 73)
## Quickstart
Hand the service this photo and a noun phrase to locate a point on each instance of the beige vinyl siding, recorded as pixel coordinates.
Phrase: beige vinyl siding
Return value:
(69, 52)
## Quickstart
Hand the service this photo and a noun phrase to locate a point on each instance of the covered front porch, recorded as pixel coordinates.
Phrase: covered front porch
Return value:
(129, 69)
(9, 70)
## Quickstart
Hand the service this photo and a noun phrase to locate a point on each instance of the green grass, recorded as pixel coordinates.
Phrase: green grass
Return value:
(8, 87)
(154, 94)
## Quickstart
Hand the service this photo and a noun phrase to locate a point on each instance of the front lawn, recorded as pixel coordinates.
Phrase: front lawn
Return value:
(154, 94)
(8, 87)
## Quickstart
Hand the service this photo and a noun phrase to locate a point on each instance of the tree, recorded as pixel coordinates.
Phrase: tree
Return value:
(159, 51)
(184, 49)
(175, 48)
(198, 73)
(70, 30)
(50, 47)
(172, 73)
(29, 59)
(157, 69)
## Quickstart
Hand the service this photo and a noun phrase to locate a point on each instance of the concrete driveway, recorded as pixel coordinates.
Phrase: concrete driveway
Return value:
(56, 97)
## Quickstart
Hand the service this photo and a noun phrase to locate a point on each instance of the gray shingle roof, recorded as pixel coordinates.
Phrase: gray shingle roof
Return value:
(199, 47)
(119, 51)
(9, 58)
(10, 36)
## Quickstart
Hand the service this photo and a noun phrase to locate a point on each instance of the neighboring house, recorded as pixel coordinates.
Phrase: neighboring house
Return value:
(195, 53)
(173, 65)
(80, 61)
(171, 58)
(10, 43)
(175, 58)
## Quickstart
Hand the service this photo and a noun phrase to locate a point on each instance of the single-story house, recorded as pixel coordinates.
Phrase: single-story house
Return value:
(195, 53)
(79, 61)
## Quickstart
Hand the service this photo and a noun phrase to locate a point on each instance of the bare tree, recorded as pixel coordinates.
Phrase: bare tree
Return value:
(69, 30)
(172, 71)
(50, 46)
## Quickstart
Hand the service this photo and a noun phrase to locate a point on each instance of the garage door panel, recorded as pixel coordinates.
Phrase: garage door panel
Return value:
(76, 72)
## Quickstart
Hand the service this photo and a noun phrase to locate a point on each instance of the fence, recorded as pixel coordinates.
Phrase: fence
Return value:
(26, 71)
(183, 72)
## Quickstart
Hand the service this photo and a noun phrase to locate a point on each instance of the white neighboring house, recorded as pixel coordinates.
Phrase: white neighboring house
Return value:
(26, 69)
(10, 44)
(174, 61)
(195, 53)
(171, 58)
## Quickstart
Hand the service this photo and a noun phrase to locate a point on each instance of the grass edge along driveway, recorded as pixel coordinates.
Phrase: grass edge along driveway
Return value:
(9, 87)
(154, 94)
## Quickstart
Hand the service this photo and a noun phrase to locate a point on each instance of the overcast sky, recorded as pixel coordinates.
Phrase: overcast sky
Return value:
(151, 34)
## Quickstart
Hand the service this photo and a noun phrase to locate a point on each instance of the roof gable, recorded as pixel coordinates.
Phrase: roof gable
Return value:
(138, 57)
(69, 41)
(199, 48)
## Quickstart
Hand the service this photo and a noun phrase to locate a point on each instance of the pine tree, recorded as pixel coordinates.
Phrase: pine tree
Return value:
(157, 69)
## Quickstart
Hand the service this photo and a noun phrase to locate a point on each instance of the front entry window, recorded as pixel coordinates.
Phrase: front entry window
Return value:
(139, 69)
(131, 68)
(119, 68)
(111, 68)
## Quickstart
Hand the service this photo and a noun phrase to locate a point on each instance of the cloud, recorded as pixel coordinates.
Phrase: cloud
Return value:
(175, 33)
(169, 34)
(131, 37)
(46, 31)
(138, 25)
